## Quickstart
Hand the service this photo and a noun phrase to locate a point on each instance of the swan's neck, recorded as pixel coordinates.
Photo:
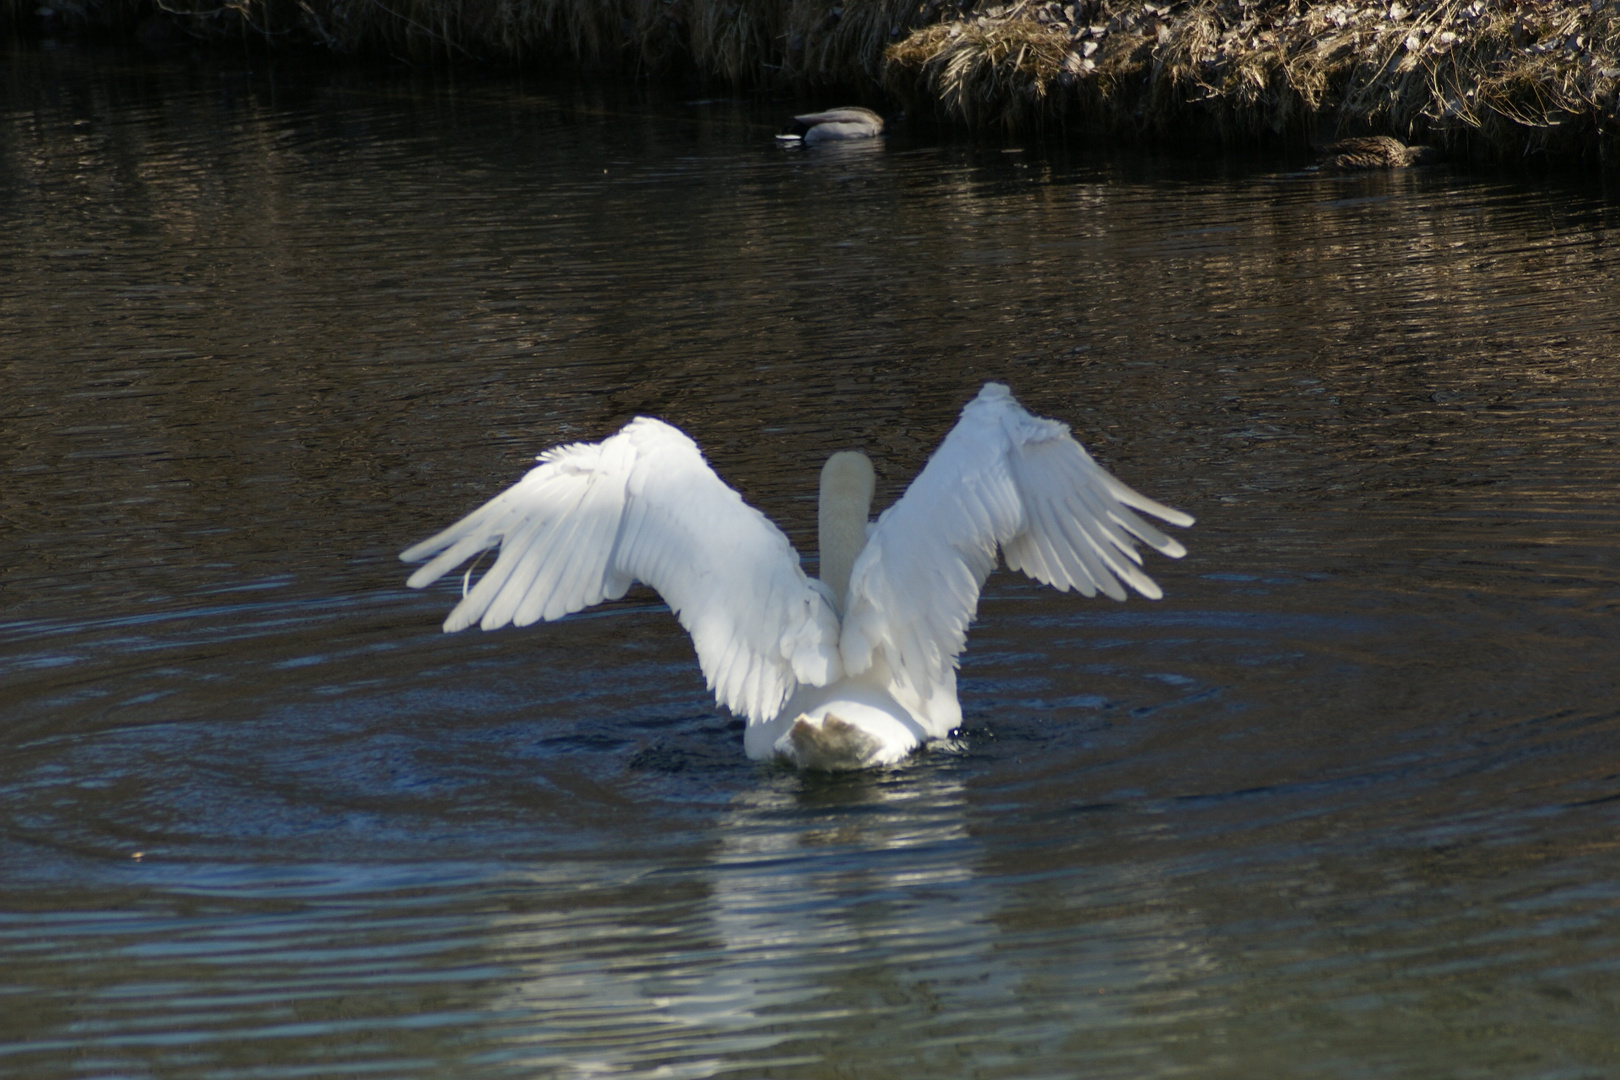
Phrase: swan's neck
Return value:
(846, 502)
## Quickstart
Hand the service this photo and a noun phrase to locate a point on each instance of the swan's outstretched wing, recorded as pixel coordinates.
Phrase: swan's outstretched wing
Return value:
(1005, 478)
(644, 506)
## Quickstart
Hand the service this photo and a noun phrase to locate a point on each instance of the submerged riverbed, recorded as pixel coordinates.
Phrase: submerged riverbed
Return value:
(1343, 804)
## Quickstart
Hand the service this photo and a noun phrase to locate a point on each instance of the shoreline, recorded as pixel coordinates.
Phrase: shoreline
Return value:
(1496, 81)
(1486, 80)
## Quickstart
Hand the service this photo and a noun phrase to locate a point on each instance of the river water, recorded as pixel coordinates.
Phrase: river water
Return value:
(1346, 803)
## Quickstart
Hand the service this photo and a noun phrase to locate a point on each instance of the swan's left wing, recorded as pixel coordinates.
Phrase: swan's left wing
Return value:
(644, 506)
(1002, 478)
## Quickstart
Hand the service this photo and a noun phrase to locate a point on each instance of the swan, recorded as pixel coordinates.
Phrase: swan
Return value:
(853, 670)
(850, 122)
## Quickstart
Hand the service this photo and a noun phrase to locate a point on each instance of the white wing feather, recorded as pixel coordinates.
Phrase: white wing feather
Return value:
(644, 506)
(1002, 478)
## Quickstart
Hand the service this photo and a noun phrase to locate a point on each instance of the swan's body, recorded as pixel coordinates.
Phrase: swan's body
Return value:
(856, 669)
(834, 125)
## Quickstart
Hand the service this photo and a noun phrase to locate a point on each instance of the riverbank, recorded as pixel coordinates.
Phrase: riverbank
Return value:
(1480, 79)
(1493, 79)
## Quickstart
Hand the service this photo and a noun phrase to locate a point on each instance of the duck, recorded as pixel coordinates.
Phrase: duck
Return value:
(848, 122)
(1367, 153)
(854, 668)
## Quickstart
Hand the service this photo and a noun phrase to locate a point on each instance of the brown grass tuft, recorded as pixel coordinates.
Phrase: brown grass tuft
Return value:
(988, 71)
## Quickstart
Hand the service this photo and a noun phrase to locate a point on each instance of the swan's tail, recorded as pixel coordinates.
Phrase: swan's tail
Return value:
(831, 744)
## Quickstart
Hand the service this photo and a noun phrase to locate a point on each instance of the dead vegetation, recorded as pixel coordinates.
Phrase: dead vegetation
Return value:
(1507, 78)
(741, 43)
(1005, 71)
(1493, 76)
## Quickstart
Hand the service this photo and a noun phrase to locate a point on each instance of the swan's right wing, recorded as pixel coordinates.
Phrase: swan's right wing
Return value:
(1002, 478)
(644, 506)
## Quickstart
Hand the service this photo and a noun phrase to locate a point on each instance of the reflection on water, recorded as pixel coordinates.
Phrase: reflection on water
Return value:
(1343, 804)
(765, 947)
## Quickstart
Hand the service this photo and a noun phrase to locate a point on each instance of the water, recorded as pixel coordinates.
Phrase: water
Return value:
(1343, 804)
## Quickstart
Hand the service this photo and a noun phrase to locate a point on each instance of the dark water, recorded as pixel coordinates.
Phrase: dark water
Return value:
(1345, 804)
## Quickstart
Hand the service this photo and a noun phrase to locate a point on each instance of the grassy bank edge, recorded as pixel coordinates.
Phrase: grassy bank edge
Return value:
(1494, 79)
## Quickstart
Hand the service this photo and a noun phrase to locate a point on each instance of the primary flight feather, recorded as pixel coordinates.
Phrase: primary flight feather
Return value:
(830, 674)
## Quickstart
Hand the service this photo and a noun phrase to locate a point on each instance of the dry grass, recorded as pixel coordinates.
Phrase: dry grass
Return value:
(737, 42)
(1501, 76)
(988, 71)
(786, 43)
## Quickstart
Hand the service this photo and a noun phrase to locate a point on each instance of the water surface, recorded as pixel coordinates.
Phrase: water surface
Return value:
(1343, 804)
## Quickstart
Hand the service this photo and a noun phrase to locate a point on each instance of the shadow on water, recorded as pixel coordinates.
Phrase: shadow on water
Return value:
(1343, 804)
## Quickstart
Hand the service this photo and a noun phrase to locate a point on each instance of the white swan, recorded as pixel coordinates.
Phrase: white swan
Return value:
(849, 122)
(856, 669)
